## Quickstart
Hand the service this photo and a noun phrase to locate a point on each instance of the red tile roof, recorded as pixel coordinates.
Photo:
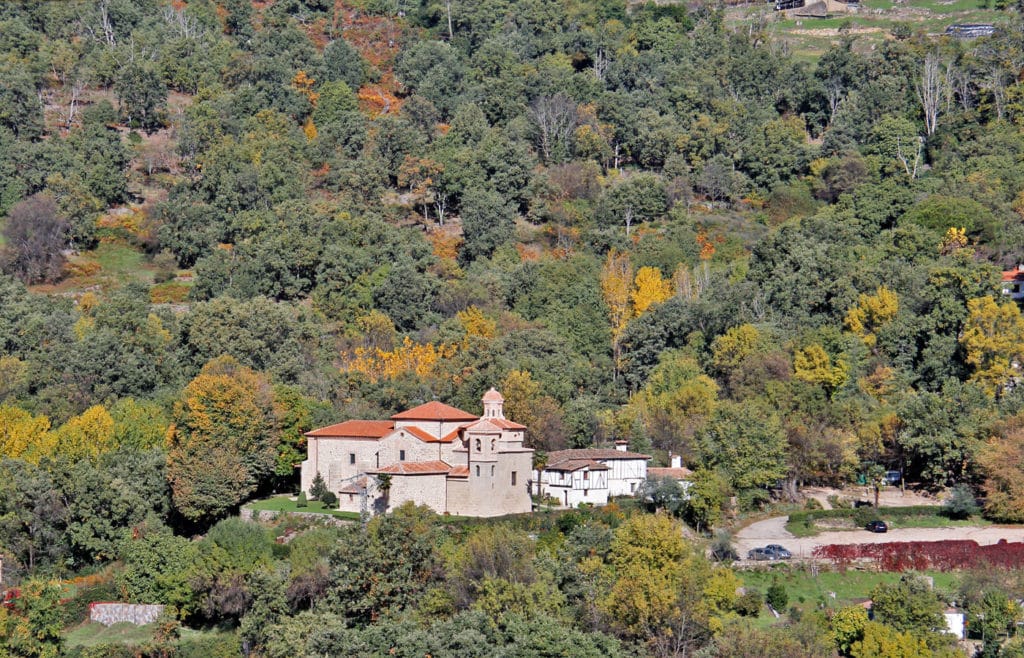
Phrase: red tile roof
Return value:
(681, 473)
(576, 465)
(434, 411)
(592, 453)
(454, 434)
(354, 487)
(1013, 275)
(459, 472)
(426, 437)
(416, 468)
(493, 396)
(506, 424)
(372, 429)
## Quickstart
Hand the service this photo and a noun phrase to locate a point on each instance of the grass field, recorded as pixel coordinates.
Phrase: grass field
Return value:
(808, 591)
(92, 634)
(286, 504)
(927, 521)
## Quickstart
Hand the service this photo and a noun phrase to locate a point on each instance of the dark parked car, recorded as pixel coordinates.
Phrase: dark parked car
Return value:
(877, 526)
(769, 552)
(760, 554)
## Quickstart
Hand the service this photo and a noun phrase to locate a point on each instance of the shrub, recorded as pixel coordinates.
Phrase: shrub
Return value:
(812, 503)
(776, 596)
(318, 488)
(839, 503)
(749, 605)
(722, 548)
(302, 501)
(961, 503)
(329, 500)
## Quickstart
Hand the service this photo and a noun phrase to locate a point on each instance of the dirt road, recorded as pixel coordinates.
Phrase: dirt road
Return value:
(773, 531)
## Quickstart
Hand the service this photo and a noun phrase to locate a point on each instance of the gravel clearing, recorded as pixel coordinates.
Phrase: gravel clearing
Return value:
(773, 531)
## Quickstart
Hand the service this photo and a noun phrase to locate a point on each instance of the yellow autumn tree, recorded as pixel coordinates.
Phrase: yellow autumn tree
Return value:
(993, 338)
(223, 442)
(407, 358)
(649, 288)
(871, 313)
(526, 403)
(729, 350)
(616, 279)
(86, 436)
(24, 436)
(476, 324)
(954, 240)
(812, 364)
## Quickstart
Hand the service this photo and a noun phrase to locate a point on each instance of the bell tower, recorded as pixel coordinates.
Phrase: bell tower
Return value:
(493, 404)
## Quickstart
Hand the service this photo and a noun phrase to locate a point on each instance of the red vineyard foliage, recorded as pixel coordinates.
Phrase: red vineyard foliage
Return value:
(941, 555)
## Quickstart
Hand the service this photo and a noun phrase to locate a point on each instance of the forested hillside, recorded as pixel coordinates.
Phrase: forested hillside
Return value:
(228, 222)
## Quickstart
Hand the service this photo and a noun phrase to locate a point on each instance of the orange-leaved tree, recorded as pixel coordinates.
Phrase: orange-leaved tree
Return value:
(222, 444)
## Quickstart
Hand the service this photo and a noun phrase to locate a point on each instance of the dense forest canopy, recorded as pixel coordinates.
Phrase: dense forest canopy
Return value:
(227, 222)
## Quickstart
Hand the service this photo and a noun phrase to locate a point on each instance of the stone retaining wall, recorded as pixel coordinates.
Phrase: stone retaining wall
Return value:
(114, 613)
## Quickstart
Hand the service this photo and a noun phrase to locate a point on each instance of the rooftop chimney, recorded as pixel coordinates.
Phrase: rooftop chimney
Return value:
(621, 445)
(677, 461)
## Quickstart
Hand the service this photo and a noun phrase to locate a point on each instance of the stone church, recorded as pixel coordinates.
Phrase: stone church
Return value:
(434, 454)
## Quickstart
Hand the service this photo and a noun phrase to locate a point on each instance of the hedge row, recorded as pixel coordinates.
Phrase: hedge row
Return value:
(862, 515)
(943, 555)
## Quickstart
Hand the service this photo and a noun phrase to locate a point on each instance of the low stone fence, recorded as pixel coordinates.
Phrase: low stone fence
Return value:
(249, 514)
(114, 613)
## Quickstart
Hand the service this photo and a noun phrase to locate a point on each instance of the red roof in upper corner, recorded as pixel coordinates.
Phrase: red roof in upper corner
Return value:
(1013, 275)
(416, 468)
(370, 429)
(434, 411)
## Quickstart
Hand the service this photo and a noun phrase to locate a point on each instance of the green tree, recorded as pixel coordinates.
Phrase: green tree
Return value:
(746, 441)
(488, 222)
(142, 95)
(223, 442)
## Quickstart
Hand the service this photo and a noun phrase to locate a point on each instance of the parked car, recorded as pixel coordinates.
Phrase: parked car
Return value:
(877, 526)
(769, 552)
(780, 552)
(760, 554)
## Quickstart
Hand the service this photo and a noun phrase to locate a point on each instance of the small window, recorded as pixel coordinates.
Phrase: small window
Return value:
(351, 458)
(478, 470)
(493, 442)
(401, 455)
(585, 492)
(513, 478)
(492, 470)
(478, 445)
(586, 475)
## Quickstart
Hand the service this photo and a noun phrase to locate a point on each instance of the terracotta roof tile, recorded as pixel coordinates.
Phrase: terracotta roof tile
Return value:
(454, 434)
(415, 468)
(592, 453)
(681, 473)
(354, 487)
(372, 429)
(1013, 275)
(493, 396)
(459, 472)
(434, 411)
(576, 465)
(506, 424)
(422, 435)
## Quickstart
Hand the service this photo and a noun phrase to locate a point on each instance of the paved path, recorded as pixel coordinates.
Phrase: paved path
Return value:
(773, 531)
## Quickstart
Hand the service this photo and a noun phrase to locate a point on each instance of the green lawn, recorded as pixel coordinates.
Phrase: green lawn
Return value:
(808, 591)
(92, 634)
(286, 504)
(924, 521)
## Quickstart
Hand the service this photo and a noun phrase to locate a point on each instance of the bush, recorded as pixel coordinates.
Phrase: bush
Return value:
(961, 503)
(812, 503)
(329, 500)
(839, 503)
(302, 501)
(749, 605)
(776, 596)
(318, 488)
(722, 548)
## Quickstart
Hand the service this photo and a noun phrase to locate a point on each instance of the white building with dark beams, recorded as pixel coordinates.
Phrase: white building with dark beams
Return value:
(591, 475)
